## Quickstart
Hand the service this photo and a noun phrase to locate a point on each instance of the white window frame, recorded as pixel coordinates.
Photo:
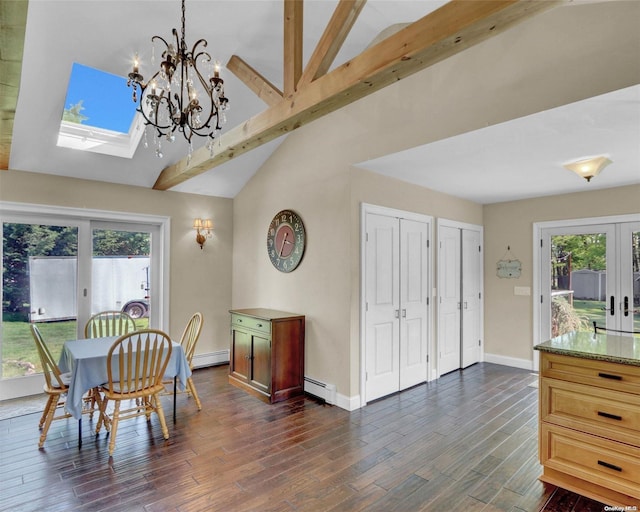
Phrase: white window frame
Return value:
(87, 218)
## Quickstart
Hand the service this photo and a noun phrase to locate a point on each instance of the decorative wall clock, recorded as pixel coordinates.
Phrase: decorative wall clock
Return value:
(286, 240)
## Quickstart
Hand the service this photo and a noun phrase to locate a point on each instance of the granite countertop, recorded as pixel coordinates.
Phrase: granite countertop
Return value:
(602, 347)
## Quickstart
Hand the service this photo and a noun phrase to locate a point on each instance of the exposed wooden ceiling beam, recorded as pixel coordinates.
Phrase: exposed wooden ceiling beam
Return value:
(339, 26)
(454, 27)
(293, 22)
(13, 22)
(264, 89)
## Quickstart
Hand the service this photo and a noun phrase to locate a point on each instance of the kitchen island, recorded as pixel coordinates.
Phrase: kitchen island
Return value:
(589, 416)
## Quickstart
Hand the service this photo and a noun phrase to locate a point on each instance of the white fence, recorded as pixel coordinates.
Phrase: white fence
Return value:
(592, 284)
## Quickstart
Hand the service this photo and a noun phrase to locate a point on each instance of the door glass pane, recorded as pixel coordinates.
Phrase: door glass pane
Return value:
(578, 282)
(634, 309)
(39, 285)
(120, 273)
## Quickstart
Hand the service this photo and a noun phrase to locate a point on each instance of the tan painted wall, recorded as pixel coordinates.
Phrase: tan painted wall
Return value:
(200, 280)
(538, 65)
(509, 318)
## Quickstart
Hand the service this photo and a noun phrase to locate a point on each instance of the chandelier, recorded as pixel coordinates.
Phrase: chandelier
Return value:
(179, 97)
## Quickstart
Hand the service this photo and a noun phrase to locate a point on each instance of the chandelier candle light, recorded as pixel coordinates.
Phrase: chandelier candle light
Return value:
(178, 96)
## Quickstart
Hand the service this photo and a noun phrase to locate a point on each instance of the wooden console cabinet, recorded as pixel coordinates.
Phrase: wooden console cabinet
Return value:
(267, 353)
(589, 437)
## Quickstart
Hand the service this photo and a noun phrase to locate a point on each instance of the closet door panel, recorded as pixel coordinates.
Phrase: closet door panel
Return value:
(382, 304)
(413, 302)
(471, 297)
(449, 299)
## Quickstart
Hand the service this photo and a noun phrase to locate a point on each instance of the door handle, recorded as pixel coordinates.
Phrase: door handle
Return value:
(612, 308)
(626, 306)
(404, 313)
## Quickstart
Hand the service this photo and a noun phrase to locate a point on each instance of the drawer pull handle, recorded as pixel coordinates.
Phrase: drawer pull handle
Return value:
(610, 416)
(609, 376)
(239, 320)
(610, 466)
(259, 325)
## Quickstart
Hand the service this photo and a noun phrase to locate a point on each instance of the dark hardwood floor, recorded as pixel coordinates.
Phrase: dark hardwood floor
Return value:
(467, 442)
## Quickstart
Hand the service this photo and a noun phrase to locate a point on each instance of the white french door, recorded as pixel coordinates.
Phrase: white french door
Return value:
(396, 301)
(589, 271)
(60, 267)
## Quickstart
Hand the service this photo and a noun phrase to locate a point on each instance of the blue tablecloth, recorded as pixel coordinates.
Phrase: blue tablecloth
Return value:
(87, 362)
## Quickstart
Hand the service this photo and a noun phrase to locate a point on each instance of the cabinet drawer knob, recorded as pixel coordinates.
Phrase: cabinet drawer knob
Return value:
(610, 416)
(259, 325)
(610, 466)
(609, 376)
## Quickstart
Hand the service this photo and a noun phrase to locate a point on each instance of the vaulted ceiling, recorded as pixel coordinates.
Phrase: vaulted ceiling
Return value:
(287, 63)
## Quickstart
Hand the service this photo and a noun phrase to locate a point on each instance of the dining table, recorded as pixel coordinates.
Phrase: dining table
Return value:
(86, 361)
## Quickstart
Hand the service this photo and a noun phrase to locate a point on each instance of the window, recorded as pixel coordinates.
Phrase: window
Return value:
(99, 115)
(60, 266)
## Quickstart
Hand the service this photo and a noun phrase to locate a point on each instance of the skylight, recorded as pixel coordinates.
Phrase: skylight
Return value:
(99, 115)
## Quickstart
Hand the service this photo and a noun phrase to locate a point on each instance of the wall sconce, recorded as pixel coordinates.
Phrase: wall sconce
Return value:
(204, 230)
(588, 167)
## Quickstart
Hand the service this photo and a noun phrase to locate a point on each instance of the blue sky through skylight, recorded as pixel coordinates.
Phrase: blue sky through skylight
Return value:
(102, 98)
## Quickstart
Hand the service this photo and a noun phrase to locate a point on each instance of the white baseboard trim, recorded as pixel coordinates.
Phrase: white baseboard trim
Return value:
(524, 364)
(211, 359)
(349, 403)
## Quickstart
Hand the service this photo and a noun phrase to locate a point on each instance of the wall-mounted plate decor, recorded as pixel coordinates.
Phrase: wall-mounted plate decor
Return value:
(508, 266)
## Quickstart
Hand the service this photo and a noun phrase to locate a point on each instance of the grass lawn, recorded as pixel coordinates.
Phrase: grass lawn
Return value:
(19, 353)
(592, 310)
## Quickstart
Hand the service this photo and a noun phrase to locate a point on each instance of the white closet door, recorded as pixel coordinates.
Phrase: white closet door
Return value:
(382, 306)
(413, 302)
(449, 247)
(471, 296)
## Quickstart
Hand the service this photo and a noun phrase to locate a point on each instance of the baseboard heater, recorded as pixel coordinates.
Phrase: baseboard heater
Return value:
(326, 392)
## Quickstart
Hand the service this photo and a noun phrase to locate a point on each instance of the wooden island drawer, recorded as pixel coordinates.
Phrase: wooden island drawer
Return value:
(591, 372)
(597, 411)
(592, 459)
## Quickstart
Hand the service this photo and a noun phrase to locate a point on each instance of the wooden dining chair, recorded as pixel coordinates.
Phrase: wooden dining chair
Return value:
(56, 385)
(101, 325)
(188, 341)
(136, 363)
(109, 323)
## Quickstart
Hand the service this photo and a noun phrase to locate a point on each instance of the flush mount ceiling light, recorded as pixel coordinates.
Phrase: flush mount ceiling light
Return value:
(179, 97)
(587, 168)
